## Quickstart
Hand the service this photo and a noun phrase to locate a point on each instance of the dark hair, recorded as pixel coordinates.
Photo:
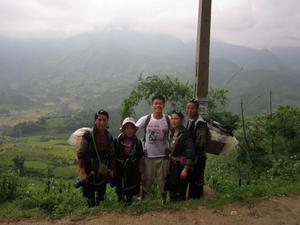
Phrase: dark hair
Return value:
(178, 113)
(101, 112)
(160, 97)
(194, 101)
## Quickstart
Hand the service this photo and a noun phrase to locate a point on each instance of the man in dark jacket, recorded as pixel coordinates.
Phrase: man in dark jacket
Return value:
(95, 157)
(199, 131)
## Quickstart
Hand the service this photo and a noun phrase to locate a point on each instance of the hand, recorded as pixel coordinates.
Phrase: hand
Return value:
(184, 172)
(111, 174)
(145, 153)
(83, 176)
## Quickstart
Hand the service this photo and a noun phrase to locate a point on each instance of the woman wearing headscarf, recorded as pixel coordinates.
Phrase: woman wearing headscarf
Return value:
(128, 162)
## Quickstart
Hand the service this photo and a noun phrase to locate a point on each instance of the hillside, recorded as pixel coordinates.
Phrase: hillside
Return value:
(60, 77)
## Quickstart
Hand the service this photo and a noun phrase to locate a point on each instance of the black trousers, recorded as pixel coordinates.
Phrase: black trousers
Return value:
(174, 184)
(94, 193)
(197, 178)
(127, 180)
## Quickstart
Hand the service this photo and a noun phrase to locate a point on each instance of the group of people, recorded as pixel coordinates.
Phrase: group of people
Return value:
(170, 155)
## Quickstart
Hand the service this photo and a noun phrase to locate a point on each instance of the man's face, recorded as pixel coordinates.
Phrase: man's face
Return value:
(157, 106)
(101, 122)
(191, 110)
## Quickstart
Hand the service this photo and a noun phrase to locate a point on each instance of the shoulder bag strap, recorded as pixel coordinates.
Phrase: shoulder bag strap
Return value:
(95, 146)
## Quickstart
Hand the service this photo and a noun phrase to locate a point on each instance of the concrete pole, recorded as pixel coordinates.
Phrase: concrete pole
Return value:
(202, 56)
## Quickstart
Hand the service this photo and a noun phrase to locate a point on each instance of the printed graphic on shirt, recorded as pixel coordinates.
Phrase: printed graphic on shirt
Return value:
(156, 133)
(156, 136)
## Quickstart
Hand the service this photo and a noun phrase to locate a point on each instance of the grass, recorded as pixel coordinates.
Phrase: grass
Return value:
(55, 205)
(37, 203)
(66, 172)
(39, 152)
(36, 165)
(256, 192)
(44, 152)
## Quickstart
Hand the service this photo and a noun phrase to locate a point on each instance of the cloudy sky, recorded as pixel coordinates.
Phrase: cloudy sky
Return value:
(254, 23)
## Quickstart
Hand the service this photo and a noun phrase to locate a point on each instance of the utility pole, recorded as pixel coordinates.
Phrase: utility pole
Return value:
(202, 56)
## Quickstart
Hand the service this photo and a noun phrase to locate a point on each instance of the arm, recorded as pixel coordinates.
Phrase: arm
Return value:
(190, 150)
(190, 154)
(201, 136)
(81, 156)
(112, 154)
(141, 122)
(140, 157)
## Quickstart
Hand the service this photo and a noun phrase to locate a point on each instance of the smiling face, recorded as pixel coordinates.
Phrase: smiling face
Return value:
(158, 106)
(129, 129)
(176, 121)
(101, 122)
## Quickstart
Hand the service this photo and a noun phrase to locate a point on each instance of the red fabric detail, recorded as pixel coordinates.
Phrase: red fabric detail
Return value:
(180, 159)
(81, 163)
(101, 141)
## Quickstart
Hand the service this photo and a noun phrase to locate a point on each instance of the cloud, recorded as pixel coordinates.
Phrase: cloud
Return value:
(255, 23)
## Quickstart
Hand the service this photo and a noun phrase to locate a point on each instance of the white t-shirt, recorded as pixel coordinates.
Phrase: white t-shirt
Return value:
(156, 135)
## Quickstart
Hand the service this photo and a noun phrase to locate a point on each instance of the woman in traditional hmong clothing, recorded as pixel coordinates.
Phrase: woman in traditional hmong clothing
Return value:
(128, 162)
(180, 158)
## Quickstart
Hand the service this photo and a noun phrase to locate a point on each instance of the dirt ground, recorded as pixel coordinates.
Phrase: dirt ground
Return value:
(275, 211)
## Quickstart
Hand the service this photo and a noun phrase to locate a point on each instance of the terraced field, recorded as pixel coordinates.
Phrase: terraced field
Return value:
(41, 155)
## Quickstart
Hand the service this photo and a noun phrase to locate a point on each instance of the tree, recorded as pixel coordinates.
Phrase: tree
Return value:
(217, 100)
(284, 126)
(174, 91)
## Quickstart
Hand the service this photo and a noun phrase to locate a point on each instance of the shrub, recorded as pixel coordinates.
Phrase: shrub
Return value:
(8, 187)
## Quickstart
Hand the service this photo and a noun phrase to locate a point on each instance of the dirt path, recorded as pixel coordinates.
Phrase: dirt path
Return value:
(275, 211)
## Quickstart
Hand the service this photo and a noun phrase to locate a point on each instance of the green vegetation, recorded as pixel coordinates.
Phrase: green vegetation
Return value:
(50, 125)
(37, 171)
(175, 92)
(55, 198)
(258, 168)
(33, 156)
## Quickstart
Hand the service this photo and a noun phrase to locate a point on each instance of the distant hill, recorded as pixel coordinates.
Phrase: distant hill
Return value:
(95, 69)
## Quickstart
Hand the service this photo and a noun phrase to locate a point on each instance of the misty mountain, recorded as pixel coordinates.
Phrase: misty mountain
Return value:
(290, 56)
(100, 68)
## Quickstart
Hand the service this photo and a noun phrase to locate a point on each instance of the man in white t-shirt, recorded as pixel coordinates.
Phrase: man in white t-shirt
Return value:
(156, 127)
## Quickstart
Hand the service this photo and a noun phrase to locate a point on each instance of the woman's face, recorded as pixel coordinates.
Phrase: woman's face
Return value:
(129, 130)
(191, 110)
(176, 121)
(101, 122)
